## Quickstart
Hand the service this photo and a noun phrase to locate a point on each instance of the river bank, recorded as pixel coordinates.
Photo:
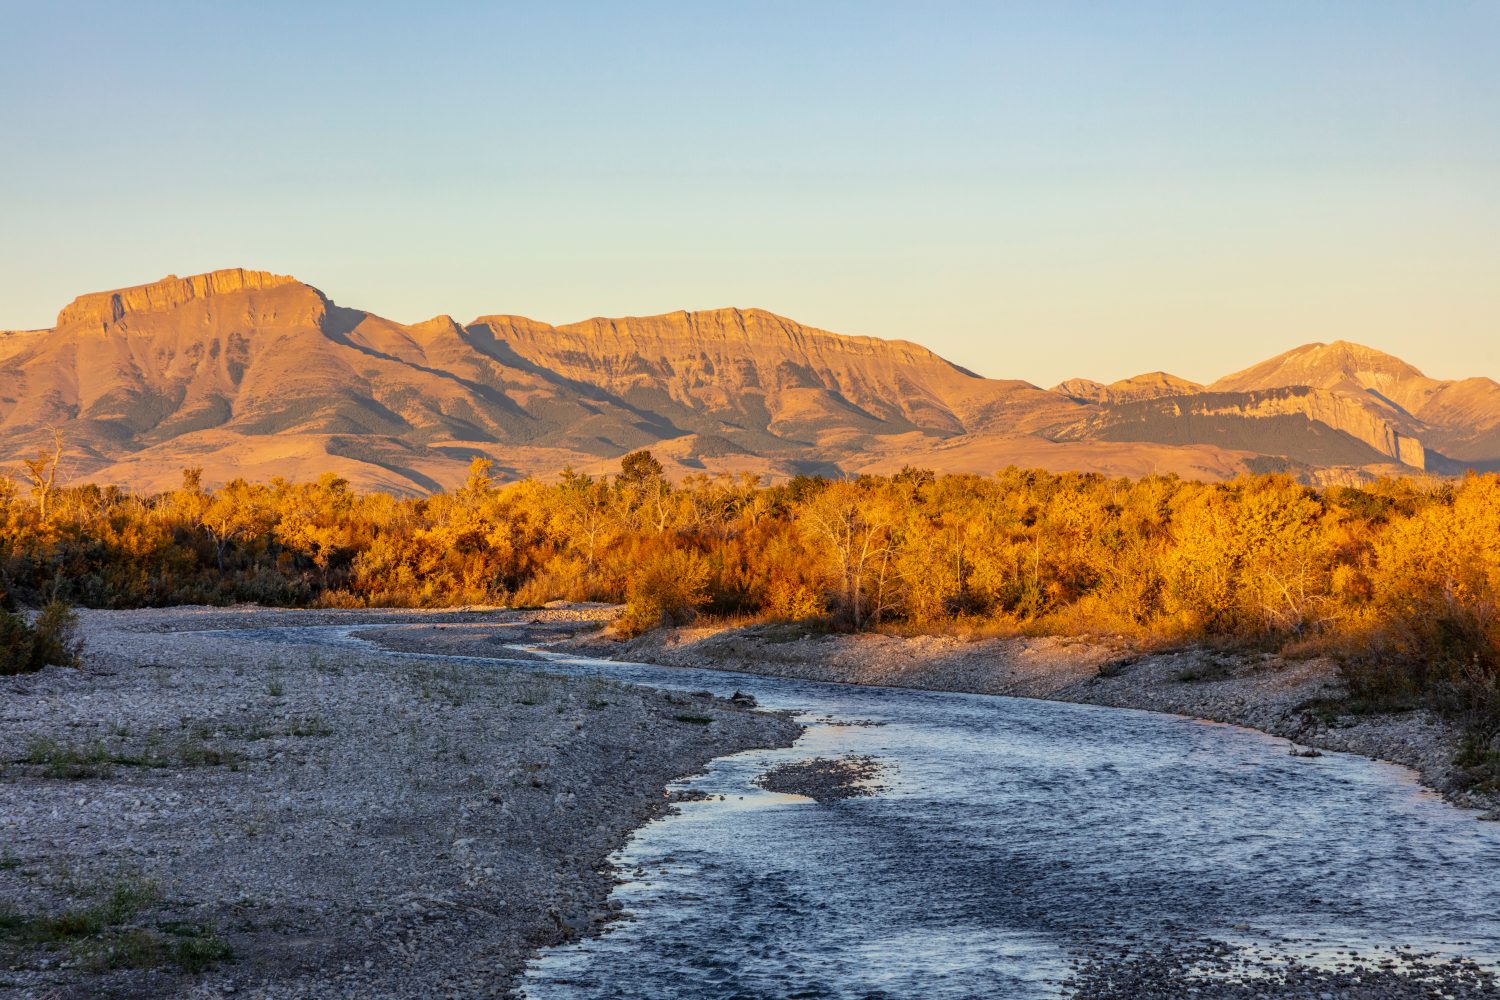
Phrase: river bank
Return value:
(212, 813)
(1298, 700)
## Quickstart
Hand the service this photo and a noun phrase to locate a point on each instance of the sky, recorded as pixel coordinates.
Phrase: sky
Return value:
(1033, 190)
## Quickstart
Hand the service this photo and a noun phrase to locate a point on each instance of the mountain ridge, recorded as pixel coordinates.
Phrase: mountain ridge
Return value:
(246, 372)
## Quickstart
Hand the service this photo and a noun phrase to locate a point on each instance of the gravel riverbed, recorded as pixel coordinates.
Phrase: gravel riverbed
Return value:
(198, 814)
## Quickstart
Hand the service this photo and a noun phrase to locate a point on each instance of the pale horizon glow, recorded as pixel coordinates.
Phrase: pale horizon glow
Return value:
(1032, 191)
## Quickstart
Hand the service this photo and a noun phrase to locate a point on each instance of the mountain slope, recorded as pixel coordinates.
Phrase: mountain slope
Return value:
(1308, 426)
(742, 372)
(1459, 419)
(1340, 367)
(191, 367)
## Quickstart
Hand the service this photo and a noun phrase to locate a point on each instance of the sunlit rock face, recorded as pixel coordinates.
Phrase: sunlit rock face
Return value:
(104, 308)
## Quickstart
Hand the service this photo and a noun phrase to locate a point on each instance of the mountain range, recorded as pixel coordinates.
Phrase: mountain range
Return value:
(251, 374)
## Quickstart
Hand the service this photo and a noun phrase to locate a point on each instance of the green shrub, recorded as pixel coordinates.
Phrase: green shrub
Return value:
(51, 640)
(1478, 761)
(57, 640)
(17, 640)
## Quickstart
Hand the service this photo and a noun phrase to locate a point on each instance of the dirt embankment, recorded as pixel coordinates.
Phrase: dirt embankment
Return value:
(1295, 699)
(205, 814)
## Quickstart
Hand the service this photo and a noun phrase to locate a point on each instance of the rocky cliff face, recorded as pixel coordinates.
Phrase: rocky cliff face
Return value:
(1351, 431)
(103, 308)
(1349, 414)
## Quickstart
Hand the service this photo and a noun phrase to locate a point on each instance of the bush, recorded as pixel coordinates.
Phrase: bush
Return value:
(667, 589)
(57, 636)
(17, 640)
(788, 601)
(26, 647)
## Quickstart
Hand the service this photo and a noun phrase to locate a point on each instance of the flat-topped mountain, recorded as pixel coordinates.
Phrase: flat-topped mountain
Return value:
(247, 373)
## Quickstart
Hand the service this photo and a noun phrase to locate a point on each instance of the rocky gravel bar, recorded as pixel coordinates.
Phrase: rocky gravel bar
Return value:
(825, 779)
(200, 813)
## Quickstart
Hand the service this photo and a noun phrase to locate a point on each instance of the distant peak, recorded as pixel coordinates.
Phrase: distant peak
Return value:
(1150, 385)
(103, 308)
(1075, 386)
(1336, 355)
(1342, 366)
(1335, 349)
(441, 323)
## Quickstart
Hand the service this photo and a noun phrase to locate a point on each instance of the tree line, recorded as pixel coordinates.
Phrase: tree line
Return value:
(1400, 577)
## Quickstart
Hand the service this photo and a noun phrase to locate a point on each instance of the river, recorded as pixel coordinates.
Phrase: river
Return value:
(1011, 836)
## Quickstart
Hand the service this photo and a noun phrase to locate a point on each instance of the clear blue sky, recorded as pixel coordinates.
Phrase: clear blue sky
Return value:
(1034, 190)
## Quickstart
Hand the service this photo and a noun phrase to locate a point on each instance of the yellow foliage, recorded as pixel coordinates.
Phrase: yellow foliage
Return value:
(1400, 565)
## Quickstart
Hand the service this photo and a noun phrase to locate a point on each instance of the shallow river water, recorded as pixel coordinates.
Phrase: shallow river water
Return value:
(1012, 835)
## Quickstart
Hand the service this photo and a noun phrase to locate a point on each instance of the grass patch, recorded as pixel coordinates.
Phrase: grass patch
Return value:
(142, 948)
(696, 720)
(307, 726)
(1329, 710)
(59, 760)
(295, 727)
(532, 694)
(120, 904)
(12, 923)
(104, 934)
(78, 762)
(456, 686)
(199, 949)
